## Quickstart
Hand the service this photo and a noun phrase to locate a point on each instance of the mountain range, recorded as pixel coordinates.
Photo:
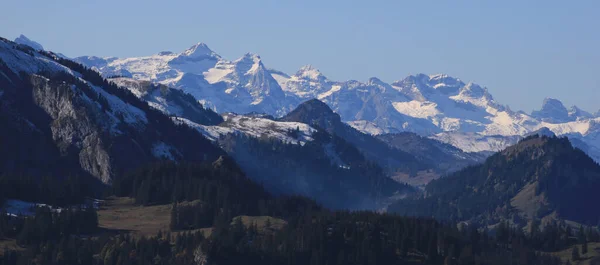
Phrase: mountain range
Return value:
(148, 109)
(439, 106)
(62, 119)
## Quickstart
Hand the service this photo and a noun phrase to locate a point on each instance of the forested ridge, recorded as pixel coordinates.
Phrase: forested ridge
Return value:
(312, 234)
(563, 178)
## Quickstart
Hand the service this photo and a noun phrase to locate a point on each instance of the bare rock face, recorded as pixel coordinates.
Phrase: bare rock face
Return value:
(75, 126)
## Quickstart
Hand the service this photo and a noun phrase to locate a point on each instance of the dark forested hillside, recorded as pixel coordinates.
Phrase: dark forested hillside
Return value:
(444, 157)
(539, 177)
(309, 235)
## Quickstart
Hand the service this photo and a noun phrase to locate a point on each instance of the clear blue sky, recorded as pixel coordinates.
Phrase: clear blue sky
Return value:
(522, 51)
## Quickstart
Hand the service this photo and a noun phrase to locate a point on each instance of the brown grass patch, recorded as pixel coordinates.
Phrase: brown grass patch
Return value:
(10, 244)
(591, 258)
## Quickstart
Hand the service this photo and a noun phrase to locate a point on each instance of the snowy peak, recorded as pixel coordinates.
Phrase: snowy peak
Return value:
(310, 73)
(249, 57)
(445, 83)
(200, 50)
(374, 81)
(473, 90)
(249, 64)
(22, 39)
(552, 111)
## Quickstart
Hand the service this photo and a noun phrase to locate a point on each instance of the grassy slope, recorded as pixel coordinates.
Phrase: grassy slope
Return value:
(591, 258)
(122, 215)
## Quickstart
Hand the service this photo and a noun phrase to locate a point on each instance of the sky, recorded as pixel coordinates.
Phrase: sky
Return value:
(522, 51)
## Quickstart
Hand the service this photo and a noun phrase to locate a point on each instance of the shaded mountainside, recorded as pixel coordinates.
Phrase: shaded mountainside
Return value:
(318, 114)
(328, 169)
(444, 157)
(60, 118)
(540, 177)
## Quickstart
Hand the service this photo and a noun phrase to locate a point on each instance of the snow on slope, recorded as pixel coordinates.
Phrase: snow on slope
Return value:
(35, 62)
(473, 142)
(255, 127)
(366, 127)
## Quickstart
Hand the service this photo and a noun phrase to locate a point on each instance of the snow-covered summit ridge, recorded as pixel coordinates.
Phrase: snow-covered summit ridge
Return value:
(198, 50)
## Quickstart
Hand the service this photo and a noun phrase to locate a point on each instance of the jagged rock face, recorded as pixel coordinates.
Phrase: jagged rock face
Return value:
(552, 111)
(73, 127)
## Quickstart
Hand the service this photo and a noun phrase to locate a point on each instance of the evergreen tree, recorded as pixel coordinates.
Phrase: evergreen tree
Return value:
(575, 253)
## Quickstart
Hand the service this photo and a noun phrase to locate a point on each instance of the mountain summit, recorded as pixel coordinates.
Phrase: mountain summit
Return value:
(552, 111)
(22, 39)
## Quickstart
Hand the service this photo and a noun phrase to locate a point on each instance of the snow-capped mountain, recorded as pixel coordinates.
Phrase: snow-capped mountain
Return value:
(439, 106)
(243, 85)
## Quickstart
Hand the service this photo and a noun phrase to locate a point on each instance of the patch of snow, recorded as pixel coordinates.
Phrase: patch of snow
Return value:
(366, 127)
(334, 88)
(215, 75)
(581, 126)
(162, 150)
(473, 142)
(18, 207)
(255, 127)
(417, 109)
(130, 114)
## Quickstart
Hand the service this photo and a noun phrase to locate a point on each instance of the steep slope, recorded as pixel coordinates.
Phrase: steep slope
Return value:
(172, 102)
(60, 118)
(318, 114)
(540, 177)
